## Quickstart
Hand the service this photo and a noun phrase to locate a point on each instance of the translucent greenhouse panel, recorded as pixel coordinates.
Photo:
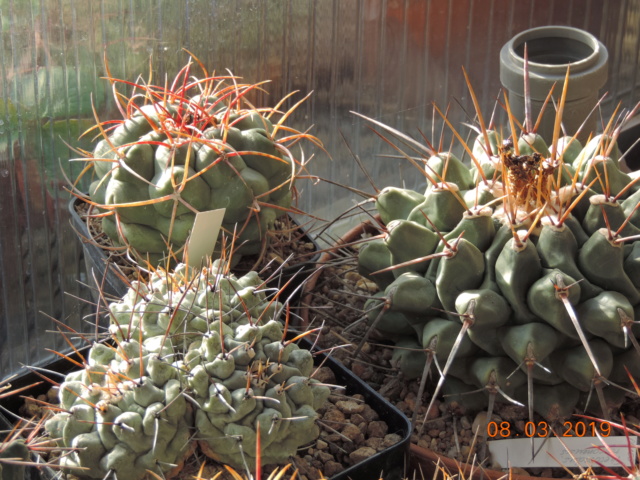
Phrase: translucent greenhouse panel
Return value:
(386, 59)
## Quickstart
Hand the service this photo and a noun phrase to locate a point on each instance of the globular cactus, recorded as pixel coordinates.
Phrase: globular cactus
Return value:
(198, 145)
(517, 273)
(124, 413)
(253, 383)
(14, 457)
(21, 442)
(197, 357)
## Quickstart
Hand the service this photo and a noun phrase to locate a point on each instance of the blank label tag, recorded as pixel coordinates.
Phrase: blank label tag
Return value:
(518, 452)
(204, 234)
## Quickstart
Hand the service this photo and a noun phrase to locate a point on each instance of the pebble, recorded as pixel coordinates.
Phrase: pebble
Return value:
(350, 407)
(52, 394)
(324, 457)
(332, 468)
(375, 442)
(465, 423)
(410, 401)
(332, 439)
(434, 411)
(321, 445)
(334, 416)
(466, 452)
(364, 372)
(361, 454)
(391, 439)
(480, 422)
(357, 419)
(424, 442)
(353, 433)
(377, 429)
(369, 414)
(352, 277)
(325, 375)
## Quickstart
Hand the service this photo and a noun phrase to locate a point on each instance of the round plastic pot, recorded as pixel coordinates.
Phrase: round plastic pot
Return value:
(551, 50)
(102, 274)
(106, 276)
(629, 143)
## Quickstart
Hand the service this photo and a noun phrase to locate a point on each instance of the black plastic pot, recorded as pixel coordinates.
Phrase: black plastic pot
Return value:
(100, 271)
(103, 273)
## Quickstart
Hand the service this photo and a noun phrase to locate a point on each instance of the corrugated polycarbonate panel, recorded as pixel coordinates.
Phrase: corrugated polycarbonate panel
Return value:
(387, 59)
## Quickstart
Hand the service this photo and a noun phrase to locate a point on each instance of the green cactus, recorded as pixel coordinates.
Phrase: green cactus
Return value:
(193, 147)
(198, 357)
(13, 451)
(525, 265)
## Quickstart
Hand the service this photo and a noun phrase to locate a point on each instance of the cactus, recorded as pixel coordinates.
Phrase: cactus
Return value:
(14, 456)
(516, 273)
(198, 357)
(198, 145)
(22, 443)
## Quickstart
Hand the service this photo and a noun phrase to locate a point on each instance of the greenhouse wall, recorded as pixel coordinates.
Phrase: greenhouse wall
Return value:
(389, 60)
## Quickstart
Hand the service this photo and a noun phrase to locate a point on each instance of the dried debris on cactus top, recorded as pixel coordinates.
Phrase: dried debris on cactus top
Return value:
(513, 278)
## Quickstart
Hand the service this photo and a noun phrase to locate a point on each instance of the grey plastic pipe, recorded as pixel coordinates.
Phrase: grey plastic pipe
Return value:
(550, 51)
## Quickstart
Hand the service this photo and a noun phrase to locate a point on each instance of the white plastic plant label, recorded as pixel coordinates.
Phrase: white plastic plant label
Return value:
(550, 452)
(202, 239)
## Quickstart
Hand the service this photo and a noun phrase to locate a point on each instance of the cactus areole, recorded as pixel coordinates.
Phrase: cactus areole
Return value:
(522, 269)
(195, 146)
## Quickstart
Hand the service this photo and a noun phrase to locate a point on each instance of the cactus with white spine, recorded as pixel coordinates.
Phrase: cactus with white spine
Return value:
(198, 357)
